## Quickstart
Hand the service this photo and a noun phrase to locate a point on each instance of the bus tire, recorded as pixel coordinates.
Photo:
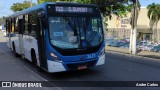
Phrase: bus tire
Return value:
(34, 61)
(39, 69)
(14, 50)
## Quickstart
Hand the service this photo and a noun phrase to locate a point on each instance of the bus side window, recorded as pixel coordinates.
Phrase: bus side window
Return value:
(32, 25)
(13, 25)
(8, 26)
(16, 25)
(7, 31)
(26, 24)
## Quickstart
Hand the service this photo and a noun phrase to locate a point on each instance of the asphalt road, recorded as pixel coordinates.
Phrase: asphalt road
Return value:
(117, 68)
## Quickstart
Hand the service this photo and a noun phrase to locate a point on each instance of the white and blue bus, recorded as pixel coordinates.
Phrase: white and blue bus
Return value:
(58, 36)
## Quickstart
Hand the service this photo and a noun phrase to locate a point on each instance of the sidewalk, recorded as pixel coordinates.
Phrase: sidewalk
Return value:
(141, 53)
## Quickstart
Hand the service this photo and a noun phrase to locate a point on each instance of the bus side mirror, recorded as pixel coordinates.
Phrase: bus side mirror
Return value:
(42, 18)
(41, 14)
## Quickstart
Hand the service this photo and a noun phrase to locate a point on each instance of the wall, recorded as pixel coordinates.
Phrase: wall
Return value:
(120, 27)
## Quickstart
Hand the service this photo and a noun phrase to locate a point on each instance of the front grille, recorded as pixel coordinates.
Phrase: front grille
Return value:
(75, 66)
(70, 52)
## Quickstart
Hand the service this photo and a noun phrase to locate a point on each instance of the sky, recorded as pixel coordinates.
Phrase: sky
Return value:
(144, 3)
(6, 4)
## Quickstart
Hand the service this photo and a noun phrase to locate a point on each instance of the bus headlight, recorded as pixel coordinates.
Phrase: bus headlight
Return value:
(54, 56)
(102, 52)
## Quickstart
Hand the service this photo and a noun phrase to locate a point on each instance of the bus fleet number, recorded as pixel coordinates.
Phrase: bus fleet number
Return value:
(91, 56)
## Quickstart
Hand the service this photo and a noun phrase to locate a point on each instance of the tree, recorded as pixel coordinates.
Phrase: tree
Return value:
(41, 1)
(20, 6)
(154, 16)
(134, 16)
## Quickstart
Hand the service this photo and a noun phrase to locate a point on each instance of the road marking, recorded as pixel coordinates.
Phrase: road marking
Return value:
(30, 70)
(25, 67)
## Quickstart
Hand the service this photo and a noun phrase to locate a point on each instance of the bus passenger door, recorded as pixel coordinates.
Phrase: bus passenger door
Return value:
(20, 23)
(41, 44)
(8, 30)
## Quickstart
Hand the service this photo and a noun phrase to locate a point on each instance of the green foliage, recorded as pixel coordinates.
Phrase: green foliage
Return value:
(153, 14)
(20, 6)
(41, 1)
(84, 1)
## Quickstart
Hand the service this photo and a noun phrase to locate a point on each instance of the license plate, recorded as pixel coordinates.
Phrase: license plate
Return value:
(82, 67)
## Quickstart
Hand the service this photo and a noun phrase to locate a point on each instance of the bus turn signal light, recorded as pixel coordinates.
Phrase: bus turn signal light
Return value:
(54, 56)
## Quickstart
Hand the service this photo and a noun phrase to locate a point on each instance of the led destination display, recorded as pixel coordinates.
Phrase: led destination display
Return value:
(73, 9)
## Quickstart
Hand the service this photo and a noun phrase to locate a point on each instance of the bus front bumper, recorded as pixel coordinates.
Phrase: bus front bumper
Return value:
(66, 66)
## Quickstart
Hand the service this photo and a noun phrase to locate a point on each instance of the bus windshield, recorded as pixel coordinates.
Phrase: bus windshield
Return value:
(75, 32)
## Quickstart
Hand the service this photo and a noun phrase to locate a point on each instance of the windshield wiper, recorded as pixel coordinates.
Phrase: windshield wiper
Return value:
(85, 26)
(71, 25)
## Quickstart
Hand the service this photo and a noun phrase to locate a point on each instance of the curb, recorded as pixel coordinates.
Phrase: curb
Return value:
(142, 58)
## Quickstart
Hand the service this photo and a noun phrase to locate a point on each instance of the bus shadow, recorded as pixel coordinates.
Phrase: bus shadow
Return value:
(61, 76)
(67, 75)
(3, 46)
(73, 75)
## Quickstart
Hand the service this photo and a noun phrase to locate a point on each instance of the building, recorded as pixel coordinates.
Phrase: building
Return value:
(120, 27)
(143, 28)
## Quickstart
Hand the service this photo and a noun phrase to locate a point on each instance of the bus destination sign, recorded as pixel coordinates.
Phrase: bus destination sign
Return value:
(73, 9)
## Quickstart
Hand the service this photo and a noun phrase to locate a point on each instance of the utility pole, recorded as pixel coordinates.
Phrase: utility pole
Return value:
(134, 13)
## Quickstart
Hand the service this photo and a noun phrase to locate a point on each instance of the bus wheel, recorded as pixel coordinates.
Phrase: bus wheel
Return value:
(34, 60)
(14, 51)
(33, 56)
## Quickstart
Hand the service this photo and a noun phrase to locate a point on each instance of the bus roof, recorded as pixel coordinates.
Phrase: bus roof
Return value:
(43, 6)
